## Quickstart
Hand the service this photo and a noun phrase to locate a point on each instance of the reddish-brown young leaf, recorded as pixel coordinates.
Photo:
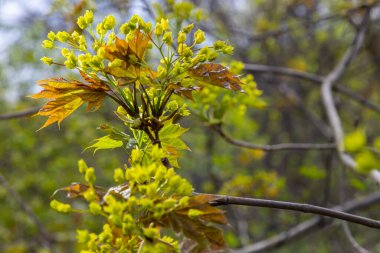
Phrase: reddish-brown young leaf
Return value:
(199, 229)
(67, 95)
(184, 92)
(217, 75)
(139, 43)
(76, 190)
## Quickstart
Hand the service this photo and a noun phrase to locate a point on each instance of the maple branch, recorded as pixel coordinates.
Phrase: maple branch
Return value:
(19, 114)
(308, 226)
(315, 79)
(275, 147)
(43, 235)
(351, 239)
(326, 91)
(223, 200)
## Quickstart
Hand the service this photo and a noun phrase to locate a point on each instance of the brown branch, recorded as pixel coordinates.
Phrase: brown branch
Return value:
(43, 236)
(331, 79)
(315, 79)
(19, 114)
(223, 200)
(308, 226)
(274, 147)
(351, 239)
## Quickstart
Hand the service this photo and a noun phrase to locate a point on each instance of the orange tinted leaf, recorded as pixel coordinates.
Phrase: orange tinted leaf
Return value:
(121, 45)
(94, 99)
(66, 96)
(59, 109)
(217, 75)
(198, 229)
(186, 92)
(96, 83)
(76, 190)
(139, 44)
(58, 83)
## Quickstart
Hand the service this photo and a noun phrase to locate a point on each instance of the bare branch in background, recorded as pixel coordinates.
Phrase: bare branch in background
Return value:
(326, 90)
(274, 147)
(309, 226)
(19, 114)
(352, 240)
(306, 208)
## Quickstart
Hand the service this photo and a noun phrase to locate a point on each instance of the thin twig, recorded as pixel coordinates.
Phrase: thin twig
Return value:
(223, 200)
(345, 227)
(351, 239)
(326, 91)
(274, 147)
(309, 226)
(43, 235)
(19, 114)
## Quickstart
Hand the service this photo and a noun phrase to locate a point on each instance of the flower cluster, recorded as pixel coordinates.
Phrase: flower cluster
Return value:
(133, 209)
(112, 60)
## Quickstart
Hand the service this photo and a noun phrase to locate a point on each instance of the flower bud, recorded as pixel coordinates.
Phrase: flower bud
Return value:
(47, 44)
(51, 36)
(82, 23)
(95, 208)
(118, 175)
(47, 60)
(167, 38)
(109, 22)
(181, 37)
(158, 30)
(90, 176)
(165, 24)
(89, 17)
(199, 36)
(63, 36)
(60, 207)
(218, 45)
(124, 29)
(82, 166)
(188, 28)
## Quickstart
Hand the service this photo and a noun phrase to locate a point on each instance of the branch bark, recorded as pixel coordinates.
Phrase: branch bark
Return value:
(328, 83)
(19, 114)
(309, 226)
(223, 200)
(274, 147)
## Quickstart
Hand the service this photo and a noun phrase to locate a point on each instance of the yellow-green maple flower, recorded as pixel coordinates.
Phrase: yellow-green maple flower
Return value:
(181, 37)
(89, 17)
(95, 208)
(109, 22)
(63, 36)
(52, 36)
(188, 28)
(60, 207)
(124, 29)
(165, 24)
(48, 44)
(90, 176)
(118, 175)
(167, 38)
(199, 36)
(47, 60)
(82, 22)
(158, 30)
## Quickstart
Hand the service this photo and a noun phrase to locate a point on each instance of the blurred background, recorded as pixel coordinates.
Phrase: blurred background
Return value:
(301, 35)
